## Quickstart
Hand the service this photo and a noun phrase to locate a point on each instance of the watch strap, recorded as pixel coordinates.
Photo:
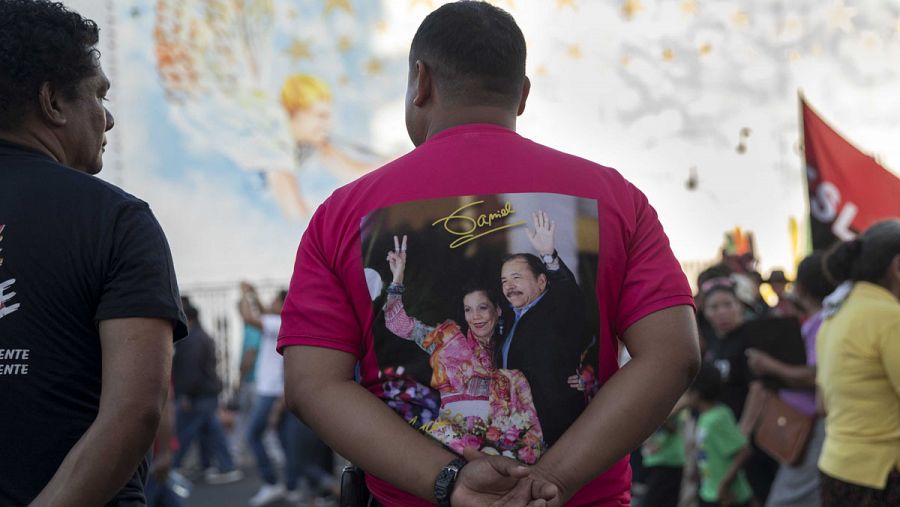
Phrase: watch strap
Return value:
(446, 479)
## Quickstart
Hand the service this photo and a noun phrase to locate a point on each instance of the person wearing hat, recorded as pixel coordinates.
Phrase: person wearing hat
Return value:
(778, 282)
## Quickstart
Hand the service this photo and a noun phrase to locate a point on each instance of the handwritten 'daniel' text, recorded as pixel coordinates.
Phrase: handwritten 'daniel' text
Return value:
(466, 227)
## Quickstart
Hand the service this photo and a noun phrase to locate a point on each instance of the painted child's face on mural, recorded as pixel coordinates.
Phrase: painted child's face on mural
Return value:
(481, 314)
(313, 124)
(520, 286)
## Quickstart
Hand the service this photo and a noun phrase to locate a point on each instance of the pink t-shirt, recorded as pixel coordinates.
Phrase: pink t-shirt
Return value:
(465, 199)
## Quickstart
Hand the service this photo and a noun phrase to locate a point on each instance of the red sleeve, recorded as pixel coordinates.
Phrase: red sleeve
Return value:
(318, 310)
(653, 277)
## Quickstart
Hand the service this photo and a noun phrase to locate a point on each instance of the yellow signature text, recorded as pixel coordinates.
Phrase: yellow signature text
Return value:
(468, 228)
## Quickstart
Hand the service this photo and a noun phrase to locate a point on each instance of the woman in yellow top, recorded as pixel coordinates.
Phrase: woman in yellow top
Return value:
(858, 349)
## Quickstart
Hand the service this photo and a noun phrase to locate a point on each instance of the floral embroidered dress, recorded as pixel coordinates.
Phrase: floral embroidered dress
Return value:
(481, 406)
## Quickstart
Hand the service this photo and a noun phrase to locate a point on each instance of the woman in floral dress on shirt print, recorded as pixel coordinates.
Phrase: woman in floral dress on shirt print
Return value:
(481, 406)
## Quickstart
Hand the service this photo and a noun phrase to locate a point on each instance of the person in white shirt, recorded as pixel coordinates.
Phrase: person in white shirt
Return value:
(268, 410)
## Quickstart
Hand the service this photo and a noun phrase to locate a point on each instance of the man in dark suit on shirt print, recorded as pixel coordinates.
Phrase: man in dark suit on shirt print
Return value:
(545, 322)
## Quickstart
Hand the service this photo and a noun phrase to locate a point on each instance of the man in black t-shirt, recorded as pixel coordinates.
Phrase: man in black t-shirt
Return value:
(89, 304)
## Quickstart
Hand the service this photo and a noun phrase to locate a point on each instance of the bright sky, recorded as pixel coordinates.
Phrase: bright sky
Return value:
(656, 88)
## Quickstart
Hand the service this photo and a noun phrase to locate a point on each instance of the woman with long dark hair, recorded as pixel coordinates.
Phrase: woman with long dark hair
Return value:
(858, 349)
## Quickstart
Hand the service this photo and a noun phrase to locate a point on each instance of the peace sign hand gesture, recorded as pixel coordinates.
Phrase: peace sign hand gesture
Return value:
(397, 260)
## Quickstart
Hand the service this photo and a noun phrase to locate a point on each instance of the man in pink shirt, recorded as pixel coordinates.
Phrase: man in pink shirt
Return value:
(464, 197)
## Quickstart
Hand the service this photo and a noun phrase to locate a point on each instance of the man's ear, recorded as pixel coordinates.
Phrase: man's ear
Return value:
(423, 84)
(526, 88)
(49, 105)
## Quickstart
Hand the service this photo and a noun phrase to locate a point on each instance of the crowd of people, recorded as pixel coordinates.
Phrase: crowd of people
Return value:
(254, 428)
(108, 379)
(844, 392)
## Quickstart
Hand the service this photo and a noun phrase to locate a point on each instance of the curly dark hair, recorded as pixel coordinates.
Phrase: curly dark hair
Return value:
(41, 42)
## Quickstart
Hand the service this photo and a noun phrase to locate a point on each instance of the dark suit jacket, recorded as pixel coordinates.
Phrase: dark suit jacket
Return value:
(546, 346)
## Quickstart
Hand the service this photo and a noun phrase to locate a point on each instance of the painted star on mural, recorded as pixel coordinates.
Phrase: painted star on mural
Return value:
(631, 7)
(331, 5)
(688, 7)
(345, 43)
(374, 66)
(574, 51)
(300, 50)
(740, 19)
(840, 17)
(509, 4)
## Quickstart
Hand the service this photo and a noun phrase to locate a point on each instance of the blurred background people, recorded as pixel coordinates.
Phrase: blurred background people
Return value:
(726, 313)
(799, 485)
(246, 390)
(664, 460)
(196, 391)
(268, 407)
(778, 282)
(722, 449)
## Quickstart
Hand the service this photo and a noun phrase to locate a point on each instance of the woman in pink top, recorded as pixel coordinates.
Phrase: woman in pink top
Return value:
(481, 406)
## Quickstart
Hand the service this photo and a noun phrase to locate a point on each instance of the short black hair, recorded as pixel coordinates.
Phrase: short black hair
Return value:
(811, 277)
(41, 41)
(475, 50)
(708, 383)
(866, 258)
(535, 265)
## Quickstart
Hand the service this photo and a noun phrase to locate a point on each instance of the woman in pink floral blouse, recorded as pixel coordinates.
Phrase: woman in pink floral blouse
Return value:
(481, 406)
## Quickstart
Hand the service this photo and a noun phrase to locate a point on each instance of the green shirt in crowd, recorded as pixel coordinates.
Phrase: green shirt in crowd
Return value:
(718, 441)
(668, 447)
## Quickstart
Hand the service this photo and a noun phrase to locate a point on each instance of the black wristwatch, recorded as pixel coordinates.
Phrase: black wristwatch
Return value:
(443, 485)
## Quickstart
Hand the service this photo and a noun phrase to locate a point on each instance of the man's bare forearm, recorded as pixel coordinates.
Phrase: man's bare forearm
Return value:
(630, 406)
(102, 461)
(361, 427)
(137, 359)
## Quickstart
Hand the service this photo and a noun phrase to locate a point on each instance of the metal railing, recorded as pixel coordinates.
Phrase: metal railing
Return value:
(217, 304)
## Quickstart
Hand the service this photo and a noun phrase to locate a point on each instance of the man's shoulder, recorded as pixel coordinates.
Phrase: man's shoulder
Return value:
(47, 177)
(413, 166)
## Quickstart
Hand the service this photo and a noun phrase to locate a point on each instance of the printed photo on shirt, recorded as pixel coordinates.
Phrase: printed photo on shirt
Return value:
(486, 323)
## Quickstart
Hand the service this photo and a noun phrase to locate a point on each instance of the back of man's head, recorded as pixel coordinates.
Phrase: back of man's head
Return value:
(41, 42)
(475, 52)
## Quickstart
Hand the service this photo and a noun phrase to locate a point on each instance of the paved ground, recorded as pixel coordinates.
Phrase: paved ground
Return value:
(237, 494)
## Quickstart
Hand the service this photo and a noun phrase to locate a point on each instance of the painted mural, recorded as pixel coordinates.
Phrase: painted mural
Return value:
(237, 118)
